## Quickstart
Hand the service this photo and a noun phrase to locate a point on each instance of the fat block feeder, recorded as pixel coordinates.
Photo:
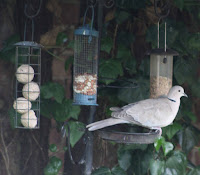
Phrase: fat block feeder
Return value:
(27, 90)
(85, 64)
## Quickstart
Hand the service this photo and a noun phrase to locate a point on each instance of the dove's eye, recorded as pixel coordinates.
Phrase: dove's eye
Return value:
(179, 90)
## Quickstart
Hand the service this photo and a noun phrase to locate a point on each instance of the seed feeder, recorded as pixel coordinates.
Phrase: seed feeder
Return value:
(161, 69)
(85, 64)
(27, 86)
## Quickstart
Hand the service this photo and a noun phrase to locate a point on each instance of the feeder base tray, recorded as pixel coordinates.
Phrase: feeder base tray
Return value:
(129, 137)
(81, 99)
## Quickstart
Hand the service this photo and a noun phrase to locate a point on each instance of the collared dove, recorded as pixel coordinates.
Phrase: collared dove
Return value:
(150, 113)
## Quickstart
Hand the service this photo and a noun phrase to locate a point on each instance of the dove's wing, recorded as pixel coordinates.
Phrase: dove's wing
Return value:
(152, 112)
(149, 113)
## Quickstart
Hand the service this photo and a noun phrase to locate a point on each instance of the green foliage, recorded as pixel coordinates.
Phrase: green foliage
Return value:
(128, 61)
(60, 112)
(61, 38)
(175, 164)
(179, 4)
(157, 167)
(171, 130)
(110, 69)
(187, 139)
(195, 171)
(7, 53)
(106, 171)
(77, 129)
(166, 146)
(140, 92)
(53, 90)
(53, 167)
(53, 148)
(121, 16)
(184, 67)
(106, 44)
(172, 34)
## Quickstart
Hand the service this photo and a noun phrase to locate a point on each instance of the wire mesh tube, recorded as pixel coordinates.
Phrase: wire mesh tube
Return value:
(85, 64)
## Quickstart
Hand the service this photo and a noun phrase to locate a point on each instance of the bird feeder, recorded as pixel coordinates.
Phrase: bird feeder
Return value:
(161, 70)
(85, 64)
(27, 90)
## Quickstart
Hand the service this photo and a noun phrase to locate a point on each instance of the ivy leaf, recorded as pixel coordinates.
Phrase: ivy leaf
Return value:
(61, 38)
(159, 143)
(47, 107)
(140, 90)
(175, 164)
(102, 171)
(106, 44)
(53, 148)
(167, 147)
(179, 4)
(124, 39)
(74, 111)
(195, 171)
(128, 61)
(61, 113)
(124, 159)
(110, 69)
(121, 16)
(183, 70)
(194, 41)
(156, 167)
(191, 116)
(53, 90)
(118, 171)
(77, 129)
(55, 162)
(7, 53)
(141, 161)
(187, 139)
(171, 130)
(53, 166)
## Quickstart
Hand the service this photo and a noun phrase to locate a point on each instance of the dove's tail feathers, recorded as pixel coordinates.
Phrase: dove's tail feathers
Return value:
(104, 123)
(115, 109)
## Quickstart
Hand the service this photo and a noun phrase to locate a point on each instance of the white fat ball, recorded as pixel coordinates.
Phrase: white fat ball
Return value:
(25, 73)
(29, 119)
(31, 91)
(22, 105)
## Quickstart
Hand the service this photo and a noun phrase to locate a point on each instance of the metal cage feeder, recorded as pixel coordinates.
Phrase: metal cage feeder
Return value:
(85, 64)
(28, 80)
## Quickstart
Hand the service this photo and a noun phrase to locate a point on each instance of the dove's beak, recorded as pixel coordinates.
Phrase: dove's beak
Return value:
(185, 95)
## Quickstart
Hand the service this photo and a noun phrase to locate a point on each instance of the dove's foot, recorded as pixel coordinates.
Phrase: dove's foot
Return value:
(158, 129)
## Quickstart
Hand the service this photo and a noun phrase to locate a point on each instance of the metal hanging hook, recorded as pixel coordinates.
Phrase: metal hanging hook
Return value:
(165, 7)
(63, 131)
(34, 15)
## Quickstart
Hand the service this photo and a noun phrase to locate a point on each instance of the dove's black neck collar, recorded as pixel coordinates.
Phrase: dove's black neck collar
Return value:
(171, 100)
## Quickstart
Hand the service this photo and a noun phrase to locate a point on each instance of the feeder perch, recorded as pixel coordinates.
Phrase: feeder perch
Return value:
(85, 65)
(27, 90)
(161, 70)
